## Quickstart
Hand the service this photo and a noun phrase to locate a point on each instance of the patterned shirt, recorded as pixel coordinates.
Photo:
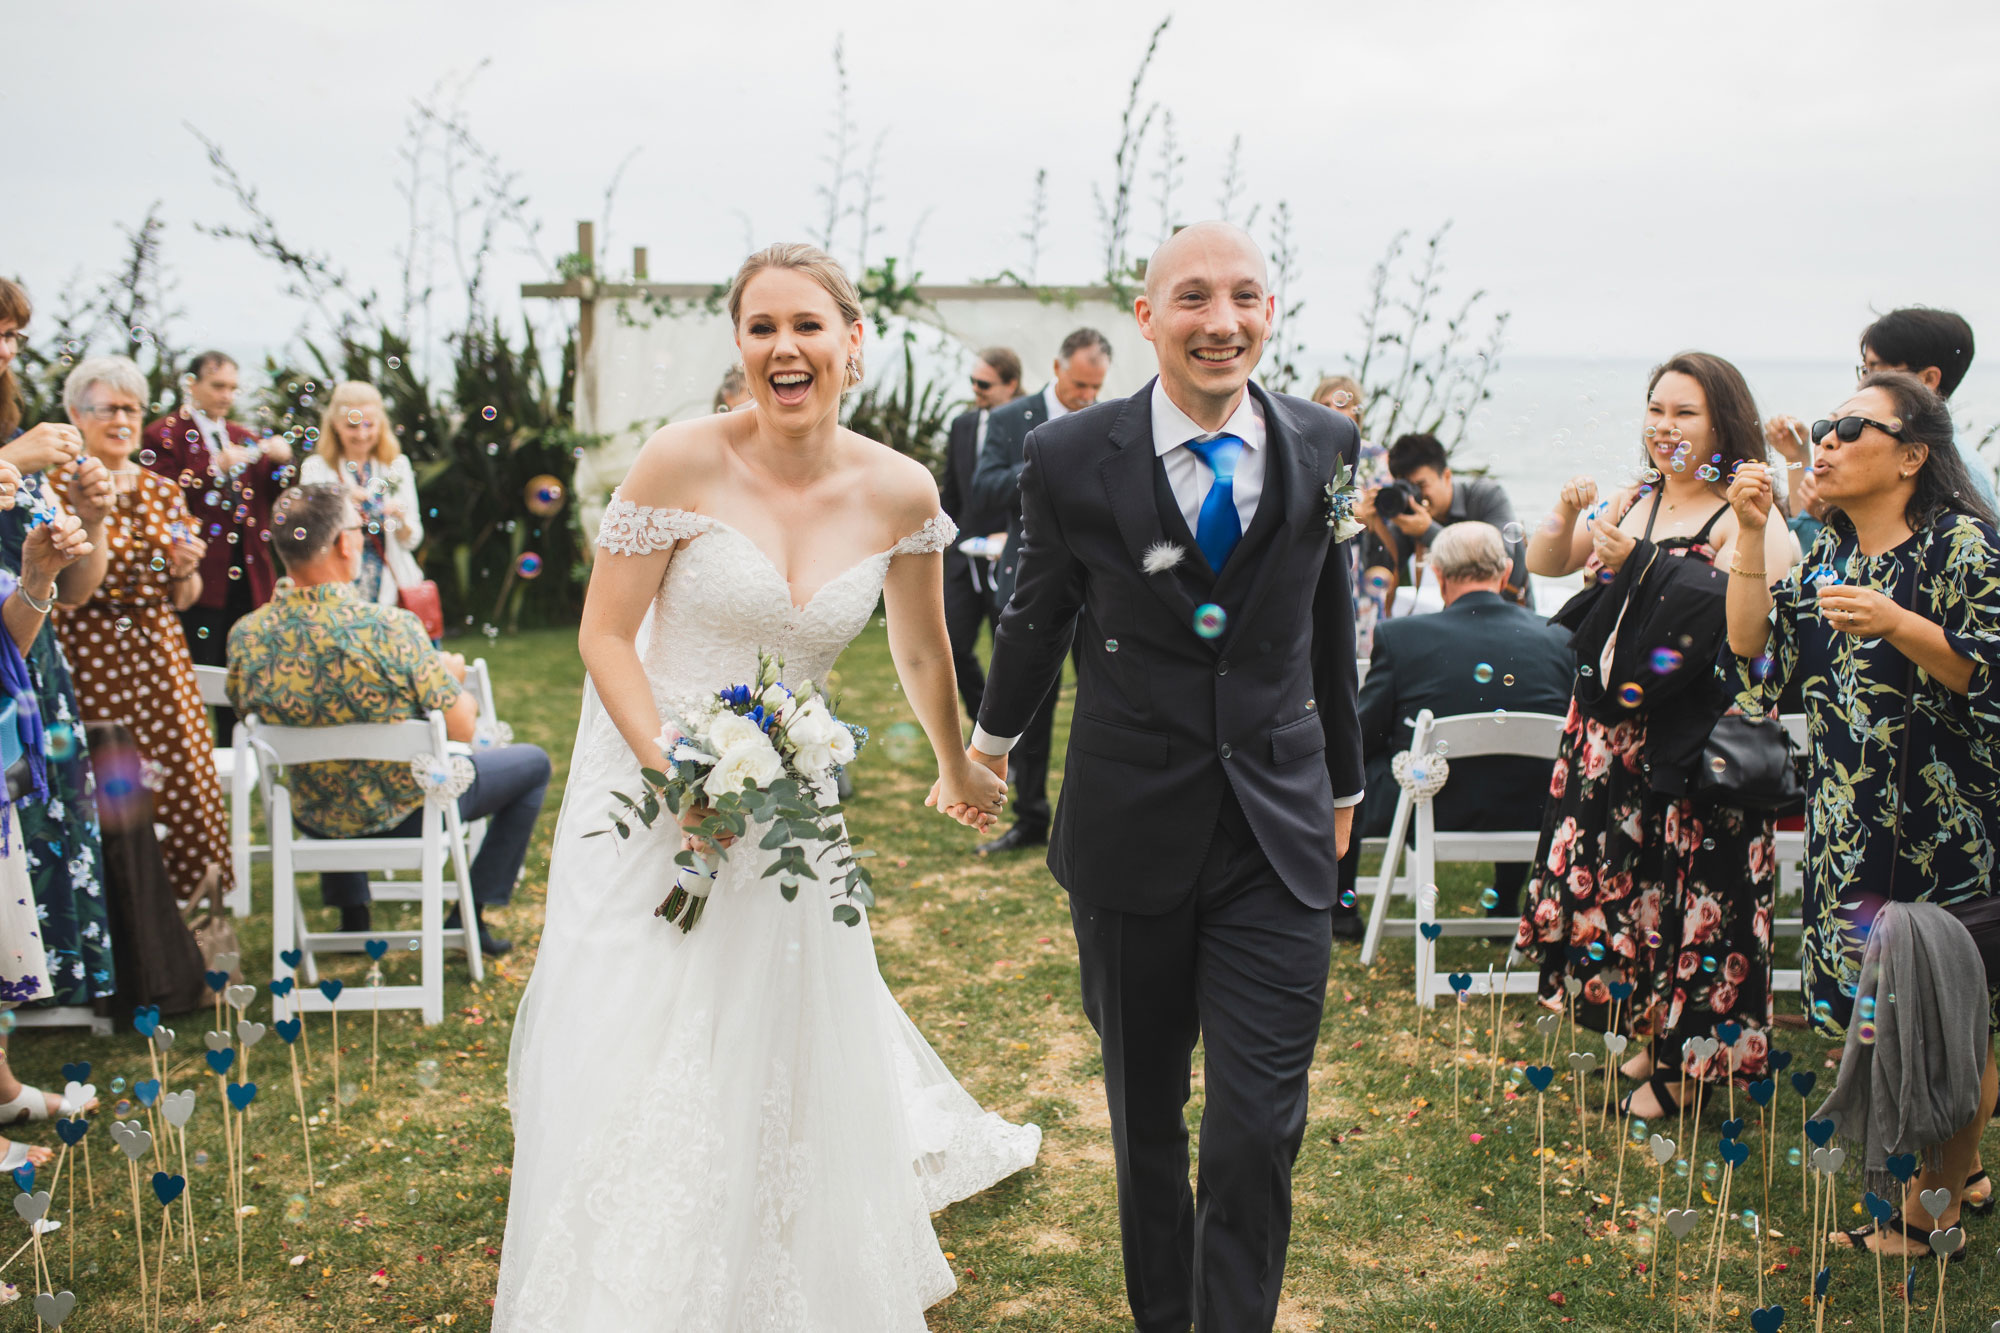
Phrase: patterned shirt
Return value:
(322, 657)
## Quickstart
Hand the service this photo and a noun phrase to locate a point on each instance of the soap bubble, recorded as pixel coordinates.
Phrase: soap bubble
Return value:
(427, 1073)
(1483, 673)
(1111, 645)
(1708, 963)
(1596, 951)
(1210, 620)
(1794, 1157)
(1347, 897)
(395, 363)
(544, 495)
(1665, 661)
(297, 1209)
(1512, 534)
(1507, 679)
(1489, 898)
(1631, 694)
(528, 565)
(489, 412)
(59, 742)
(117, 1085)
(1711, 1171)
(200, 1158)
(1864, 1032)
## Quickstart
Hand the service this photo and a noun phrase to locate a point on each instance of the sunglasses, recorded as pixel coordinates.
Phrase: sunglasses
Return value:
(981, 385)
(1849, 429)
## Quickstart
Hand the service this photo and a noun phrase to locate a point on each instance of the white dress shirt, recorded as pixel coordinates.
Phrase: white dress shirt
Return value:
(1191, 478)
(1052, 404)
(217, 435)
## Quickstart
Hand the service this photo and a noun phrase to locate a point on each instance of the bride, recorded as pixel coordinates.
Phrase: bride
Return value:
(737, 1129)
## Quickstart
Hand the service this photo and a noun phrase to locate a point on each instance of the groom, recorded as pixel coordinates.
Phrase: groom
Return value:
(1214, 763)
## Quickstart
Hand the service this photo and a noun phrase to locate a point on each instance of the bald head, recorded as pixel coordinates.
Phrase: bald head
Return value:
(1209, 245)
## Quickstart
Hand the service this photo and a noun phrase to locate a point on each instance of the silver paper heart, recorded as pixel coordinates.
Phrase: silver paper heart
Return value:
(250, 1033)
(1699, 1050)
(1582, 1062)
(1828, 1161)
(1947, 1242)
(1680, 1221)
(1574, 985)
(79, 1094)
(227, 962)
(119, 1131)
(53, 1309)
(239, 997)
(177, 1107)
(1615, 1043)
(32, 1207)
(163, 1039)
(216, 1041)
(1663, 1149)
(1546, 1025)
(1935, 1201)
(137, 1142)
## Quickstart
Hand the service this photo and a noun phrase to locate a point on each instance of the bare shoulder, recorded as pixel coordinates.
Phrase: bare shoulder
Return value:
(679, 465)
(901, 489)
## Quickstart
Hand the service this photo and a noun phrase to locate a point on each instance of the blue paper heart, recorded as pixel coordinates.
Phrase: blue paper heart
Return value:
(1729, 1033)
(72, 1131)
(1620, 990)
(242, 1094)
(147, 1091)
(288, 1028)
(1902, 1166)
(1802, 1082)
(1461, 982)
(1768, 1319)
(376, 949)
(24, 1176)
(1732, 1129)
(77, 1072)
(217, 981)
(1910, 1285)
(1431, 931)
(292, 957)
(167, 1188)
(145, 1021)
(331, 988)
(1878, 1207)
(1819, 1131)
(1762, 1091)
(283, 986)
(220, 1061)
(1541, 1076)
(1735, 1151)
(1821, 1280)
(1577, 953)
(1780, 1060)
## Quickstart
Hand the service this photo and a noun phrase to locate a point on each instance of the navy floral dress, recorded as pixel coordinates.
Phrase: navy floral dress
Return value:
(1862, 722)
(64, 853)
(1669, 895)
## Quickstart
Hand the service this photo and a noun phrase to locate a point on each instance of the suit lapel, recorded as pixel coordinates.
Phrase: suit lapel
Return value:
(1128, 484)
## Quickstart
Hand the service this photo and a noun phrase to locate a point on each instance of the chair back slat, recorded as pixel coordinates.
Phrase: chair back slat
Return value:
(392, 742)
(1506, 735)
(213, 682)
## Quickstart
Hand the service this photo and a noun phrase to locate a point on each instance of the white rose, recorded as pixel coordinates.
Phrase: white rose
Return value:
(728, 731)
(753, 763)
(843, 745)
(814, 758)
(811, 724)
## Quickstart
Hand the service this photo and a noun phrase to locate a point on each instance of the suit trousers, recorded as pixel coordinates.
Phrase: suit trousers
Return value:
(967, 607)
(1240, 964)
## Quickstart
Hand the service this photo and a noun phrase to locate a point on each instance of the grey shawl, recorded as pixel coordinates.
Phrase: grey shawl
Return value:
(1917, 1083)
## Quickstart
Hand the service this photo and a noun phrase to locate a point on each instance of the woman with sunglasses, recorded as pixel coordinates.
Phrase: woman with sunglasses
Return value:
(1891, 632)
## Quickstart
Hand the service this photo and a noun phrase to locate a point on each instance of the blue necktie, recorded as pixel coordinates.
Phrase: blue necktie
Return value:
(1218, 527)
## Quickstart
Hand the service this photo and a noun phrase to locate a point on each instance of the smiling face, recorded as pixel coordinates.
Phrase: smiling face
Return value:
(795, 348)
(110, 420)
(1874, 463)
(1207, 312)
(1677, 425)
(988, 389)
(11, 339)
(359, 426)
(214, 393)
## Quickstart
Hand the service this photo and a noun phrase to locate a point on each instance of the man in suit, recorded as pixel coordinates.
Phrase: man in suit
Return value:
(1479, 654)
(1081, 365)
(229, 478)
(1214, 762)
(968, 582)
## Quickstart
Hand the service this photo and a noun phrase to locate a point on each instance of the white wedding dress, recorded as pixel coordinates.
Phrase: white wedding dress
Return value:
(735, 1130)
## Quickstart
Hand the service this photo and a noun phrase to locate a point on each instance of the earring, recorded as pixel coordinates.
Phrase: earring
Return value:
(854, 370)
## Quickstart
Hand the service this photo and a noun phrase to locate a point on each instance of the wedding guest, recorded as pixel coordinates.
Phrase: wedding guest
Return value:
(320, 655)
(968, 580)
(59, 834)
(1371, 562)
(733, 392)
(1479, 654)
(1432, 498)
(1890, 630)
(124, 641)
(228, 478)
(1082, 363)
(1635, 880)
(357, 449)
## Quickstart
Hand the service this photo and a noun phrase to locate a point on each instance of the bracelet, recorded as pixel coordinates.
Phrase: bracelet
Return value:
(1736, 568)
(43, 607)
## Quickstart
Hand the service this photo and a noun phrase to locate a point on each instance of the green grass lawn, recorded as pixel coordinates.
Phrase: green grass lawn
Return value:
(1412, 1211)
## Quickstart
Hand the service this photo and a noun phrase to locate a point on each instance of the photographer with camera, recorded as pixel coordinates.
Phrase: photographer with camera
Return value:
(1425, 499)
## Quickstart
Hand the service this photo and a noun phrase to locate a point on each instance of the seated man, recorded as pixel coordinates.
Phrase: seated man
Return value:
(1479, 654)
(316, 655)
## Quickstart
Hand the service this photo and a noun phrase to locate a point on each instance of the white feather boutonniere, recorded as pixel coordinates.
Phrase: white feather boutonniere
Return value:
(1161, 557)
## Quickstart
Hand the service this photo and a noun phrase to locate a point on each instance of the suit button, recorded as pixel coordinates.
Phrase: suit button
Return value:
(1222, 667)
(1226, 751)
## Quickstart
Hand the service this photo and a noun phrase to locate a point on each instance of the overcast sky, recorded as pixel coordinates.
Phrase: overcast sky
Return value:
(1749, 178)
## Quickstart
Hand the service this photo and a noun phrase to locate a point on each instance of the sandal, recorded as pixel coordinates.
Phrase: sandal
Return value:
(1965, 1203)
(1858, 1238)
(15, 1159)
(31, 1105)
(1662, 1087)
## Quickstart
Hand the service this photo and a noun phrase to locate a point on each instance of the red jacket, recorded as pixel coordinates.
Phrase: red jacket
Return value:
(176, 448)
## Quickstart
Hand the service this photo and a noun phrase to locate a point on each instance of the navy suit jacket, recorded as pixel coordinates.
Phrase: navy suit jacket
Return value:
(996, 483)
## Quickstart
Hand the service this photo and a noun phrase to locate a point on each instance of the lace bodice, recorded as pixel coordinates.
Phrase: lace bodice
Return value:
(723, 601)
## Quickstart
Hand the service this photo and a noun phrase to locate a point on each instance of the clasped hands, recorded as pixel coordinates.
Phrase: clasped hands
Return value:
(974, 793)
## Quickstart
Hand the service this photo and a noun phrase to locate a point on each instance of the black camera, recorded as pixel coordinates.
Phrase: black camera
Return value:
(1398, 498)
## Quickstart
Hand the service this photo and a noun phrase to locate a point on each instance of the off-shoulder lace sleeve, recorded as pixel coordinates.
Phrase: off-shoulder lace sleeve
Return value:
(633, 529)
(935, 535)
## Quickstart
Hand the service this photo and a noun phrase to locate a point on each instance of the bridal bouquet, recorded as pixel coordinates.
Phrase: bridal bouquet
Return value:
(760, 754)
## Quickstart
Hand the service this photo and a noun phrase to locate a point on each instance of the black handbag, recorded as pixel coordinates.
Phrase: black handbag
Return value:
(1748, 763)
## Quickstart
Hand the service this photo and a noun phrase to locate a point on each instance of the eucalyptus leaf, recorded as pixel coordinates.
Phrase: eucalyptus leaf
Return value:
(654, 776)
(791, 891)
(846, 915)
(623, 831)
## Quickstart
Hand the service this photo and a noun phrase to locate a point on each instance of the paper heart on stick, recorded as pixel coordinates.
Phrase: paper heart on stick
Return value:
(217, 981)
(145, 1018)
(1821, 1281)
(1828, 1161)
(1944, 1244)
(1935, 1201)
(288, 1028)
(79, 1095)
(1700, 1050)
(1902, 1166)
(163, 1039)
(24, 1177)
(147, 1091)
(216, 1041)
(220, 1061)
(177, 1107)
(1729, 1033)
(1802, 1082)
(1680, 1221)
(291, 957)
(1878, 1207)
(1615, 1043)
(239, 997)
(76, 1072)
(1780, 1060)
(1663, 1149)
(1819, 1131)
(71, 1132)
(136, 1141)
(376, 949)
(1430, 931)
(167, 1188)
(1574, 985)
(1582, 1062)
(1732, 1129)
(250, 1033)
(52, 1309)
(1540, 1076)
(1762, 1091)
(32, 1207)
(283, 986)
(1546, 1025)
(1735, 1152)
(331, 988)
(242, 1094)
(228, 962)
(1767, 1319)
(1460, 981)
(1620, 990)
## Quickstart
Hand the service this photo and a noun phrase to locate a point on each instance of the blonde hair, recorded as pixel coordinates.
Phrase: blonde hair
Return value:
(1330, 384)
(352, 394)
(814, 263)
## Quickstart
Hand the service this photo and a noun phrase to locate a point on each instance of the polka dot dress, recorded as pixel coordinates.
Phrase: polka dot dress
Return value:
(129, 659)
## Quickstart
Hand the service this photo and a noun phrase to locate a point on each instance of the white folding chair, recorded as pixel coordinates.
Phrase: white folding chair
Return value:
(294, 853)
(1462, 736)
(236, 769)
(479, 682)
(1791, 848)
